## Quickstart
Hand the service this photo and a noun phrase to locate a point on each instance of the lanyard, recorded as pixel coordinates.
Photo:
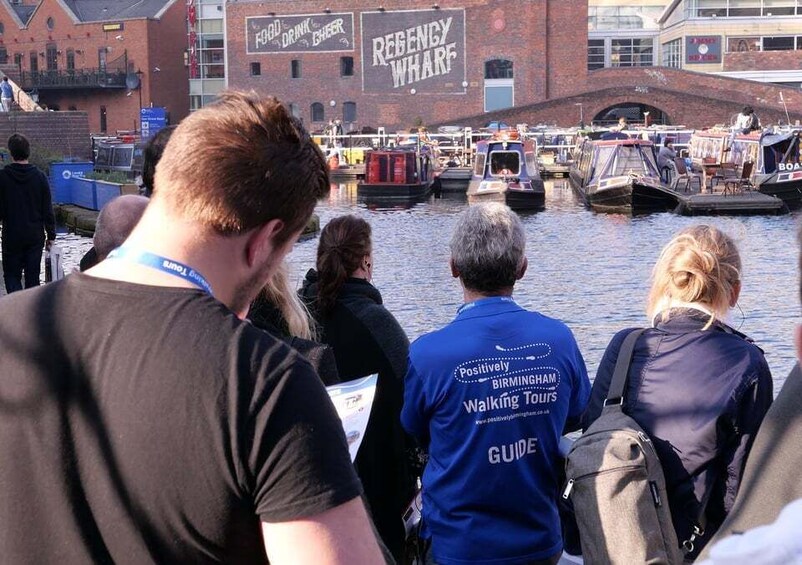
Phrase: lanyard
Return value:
(484, 302)
(162, 264)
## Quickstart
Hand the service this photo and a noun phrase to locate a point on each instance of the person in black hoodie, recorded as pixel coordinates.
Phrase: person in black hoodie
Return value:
(366, 339)
(26, 211)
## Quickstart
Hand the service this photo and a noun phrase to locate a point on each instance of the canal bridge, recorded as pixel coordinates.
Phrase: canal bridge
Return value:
(671, 96)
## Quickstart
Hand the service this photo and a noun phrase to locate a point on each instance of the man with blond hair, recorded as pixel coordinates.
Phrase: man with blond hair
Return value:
(142, 419)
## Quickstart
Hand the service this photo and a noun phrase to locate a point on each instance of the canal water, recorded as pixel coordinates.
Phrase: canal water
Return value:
(590, 270)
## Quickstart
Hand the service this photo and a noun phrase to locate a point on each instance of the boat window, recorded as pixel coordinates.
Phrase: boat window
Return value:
(479, 164)
(627, 159)
(505, 163)
(121, 157)
(600, 160)
(531, 164)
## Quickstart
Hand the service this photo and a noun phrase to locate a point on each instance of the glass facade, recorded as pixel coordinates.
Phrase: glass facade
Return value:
(206, 51)
(742, 8)
(620, 52)
(623, 17)
(671, 54)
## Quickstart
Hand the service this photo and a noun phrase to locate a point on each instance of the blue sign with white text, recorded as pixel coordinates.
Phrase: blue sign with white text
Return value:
(151, 120)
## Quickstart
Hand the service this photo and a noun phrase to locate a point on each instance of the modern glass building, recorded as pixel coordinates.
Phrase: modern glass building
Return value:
(206, 51)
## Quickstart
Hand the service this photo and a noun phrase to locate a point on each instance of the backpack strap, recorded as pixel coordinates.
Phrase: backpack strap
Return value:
(615, 394)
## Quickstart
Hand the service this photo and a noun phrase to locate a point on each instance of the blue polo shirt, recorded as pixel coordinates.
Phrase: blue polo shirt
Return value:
(490, 394)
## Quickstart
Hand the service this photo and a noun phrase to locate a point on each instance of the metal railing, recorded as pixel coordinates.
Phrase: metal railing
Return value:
(72, 78)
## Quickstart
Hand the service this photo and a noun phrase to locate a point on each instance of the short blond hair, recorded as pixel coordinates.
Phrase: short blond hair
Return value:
(700, 265)
(238, 163)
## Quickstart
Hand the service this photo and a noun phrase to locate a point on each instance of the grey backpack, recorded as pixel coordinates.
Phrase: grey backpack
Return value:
(617, 486)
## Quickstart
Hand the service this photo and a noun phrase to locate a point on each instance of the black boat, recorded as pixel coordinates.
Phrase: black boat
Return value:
(620, 175)
(505, 170)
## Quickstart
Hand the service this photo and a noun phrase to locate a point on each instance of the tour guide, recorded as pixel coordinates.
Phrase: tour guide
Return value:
(490, 395)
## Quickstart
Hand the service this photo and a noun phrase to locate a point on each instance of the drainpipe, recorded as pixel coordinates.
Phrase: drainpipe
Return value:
(548, 40)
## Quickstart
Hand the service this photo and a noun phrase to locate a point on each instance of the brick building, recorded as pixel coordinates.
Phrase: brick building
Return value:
(406, 62)
(105, 58)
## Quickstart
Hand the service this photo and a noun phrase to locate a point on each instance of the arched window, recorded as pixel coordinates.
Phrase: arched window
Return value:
(349, 112)
(317, 112)
(498, 68)
(295, 110)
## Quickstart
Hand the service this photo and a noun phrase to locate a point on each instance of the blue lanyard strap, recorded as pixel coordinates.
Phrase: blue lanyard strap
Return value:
(162, 264)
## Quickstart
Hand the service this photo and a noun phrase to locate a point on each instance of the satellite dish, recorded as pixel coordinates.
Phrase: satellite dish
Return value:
(132, 81)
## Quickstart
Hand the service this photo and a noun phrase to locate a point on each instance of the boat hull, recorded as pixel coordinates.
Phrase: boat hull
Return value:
(789, 191)
(519, 199)
(631, 197)
(455, 179)
(401, 191)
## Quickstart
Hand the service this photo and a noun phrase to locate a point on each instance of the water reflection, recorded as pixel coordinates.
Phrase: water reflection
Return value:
(591, 270)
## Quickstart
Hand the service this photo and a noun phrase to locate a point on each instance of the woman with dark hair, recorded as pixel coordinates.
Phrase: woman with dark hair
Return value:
(366, 340)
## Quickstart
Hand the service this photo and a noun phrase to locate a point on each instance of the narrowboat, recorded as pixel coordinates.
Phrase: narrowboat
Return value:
(505, 170)
(620, 175)
(777, 164)
(398, 172)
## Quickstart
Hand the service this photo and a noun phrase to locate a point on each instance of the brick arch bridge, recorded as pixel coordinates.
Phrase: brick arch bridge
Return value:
(692, 99)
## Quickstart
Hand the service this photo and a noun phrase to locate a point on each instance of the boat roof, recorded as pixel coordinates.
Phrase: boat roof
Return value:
(754, 135)
(629, 141)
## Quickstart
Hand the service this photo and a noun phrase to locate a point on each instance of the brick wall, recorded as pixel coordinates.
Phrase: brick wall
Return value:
(511, 29)
(62, 133)
(148, 44)
(763, 60)
(693, 99)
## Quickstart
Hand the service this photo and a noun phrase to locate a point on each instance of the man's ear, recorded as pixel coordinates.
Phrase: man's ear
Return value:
(522, 271)
(454, 271)
(261, 241)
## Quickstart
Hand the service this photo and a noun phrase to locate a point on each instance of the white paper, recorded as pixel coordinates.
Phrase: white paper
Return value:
(54, 270)
(353, 401)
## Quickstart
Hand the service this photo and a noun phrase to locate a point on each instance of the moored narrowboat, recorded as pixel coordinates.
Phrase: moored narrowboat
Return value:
(399, 172)
(505, 170)
(777, 163)
(620, 175)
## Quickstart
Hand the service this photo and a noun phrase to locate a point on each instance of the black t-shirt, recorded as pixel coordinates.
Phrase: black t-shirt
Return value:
(148, 424)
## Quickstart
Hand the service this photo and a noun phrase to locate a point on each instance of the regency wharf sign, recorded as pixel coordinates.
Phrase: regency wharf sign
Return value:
(420, 49)
(308, 33)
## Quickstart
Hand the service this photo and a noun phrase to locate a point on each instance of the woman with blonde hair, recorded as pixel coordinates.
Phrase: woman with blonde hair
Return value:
(698, 387)
(279, 311)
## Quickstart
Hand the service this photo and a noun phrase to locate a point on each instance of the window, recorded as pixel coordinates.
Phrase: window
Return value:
(632, 52)
(295, 69)
(672, 54)
(346, 66)
(101, 59)
(51, 23)
(504, 163)
(256, 69)
(743, 8)
(212, 57)
(295, 110)
(349, 112)
(103, 125)
(34, 58)
(51, 57)
(781, 7)
(2, 28)
(742, 44)
(624, 17)
(317, 112)
(498, 68)
(70, 59)
(595, 54)
(3, 56)
(18, 57)
(779, 43)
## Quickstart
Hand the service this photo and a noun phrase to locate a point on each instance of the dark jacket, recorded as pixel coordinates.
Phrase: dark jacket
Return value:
(265, 316)
(26, 209)
(700, 395)
(367, 339)
(772, 475)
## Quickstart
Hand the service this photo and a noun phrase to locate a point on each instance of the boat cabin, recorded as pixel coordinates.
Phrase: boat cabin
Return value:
(770, 153)
(397, 166)
(505, 155)
(608, 159)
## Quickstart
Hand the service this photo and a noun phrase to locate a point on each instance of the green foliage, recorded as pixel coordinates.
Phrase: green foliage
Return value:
(119, 177)
(40, 156)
